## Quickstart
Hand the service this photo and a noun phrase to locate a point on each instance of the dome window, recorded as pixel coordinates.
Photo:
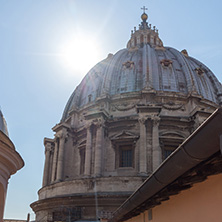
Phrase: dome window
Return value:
(90, 98)
(184, 52)
(128, 65)
(199, 70)
(166, 62)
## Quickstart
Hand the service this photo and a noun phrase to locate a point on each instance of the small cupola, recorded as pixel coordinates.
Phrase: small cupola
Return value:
(146, 34)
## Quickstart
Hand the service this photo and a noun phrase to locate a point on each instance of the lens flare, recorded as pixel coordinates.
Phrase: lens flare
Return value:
(80, 54)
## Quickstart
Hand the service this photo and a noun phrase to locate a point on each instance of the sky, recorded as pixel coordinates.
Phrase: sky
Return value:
(48, 46)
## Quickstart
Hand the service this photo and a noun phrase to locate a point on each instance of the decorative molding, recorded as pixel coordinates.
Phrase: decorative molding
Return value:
(48, 147)
(99, 122)
(88, 125)
(62, 134)
(124, 106)
(173, 106)
(142, 120)
(156, 120)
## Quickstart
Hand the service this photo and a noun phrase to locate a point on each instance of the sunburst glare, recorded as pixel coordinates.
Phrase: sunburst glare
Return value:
(80, 54)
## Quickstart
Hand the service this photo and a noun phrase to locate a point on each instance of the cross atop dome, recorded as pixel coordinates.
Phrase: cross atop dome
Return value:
(144, 9)
(144, 16)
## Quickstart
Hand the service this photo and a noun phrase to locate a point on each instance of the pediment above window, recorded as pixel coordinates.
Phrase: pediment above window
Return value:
(82, 144)
(172, 135)
(124, 136)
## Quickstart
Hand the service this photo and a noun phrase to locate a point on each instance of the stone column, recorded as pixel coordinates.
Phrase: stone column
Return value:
(157, 153)
(48, 148)
(142, 153)
(54, 163)
(88, 151)
(60, 163)
(98, 148)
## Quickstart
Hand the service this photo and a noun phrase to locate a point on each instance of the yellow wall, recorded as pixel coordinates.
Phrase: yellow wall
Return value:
(202, 203)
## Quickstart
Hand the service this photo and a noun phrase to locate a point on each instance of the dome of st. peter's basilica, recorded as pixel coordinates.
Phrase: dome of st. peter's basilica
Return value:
(129, 113)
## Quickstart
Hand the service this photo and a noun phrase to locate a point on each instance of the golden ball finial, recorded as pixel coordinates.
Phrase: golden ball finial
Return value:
(144, 16)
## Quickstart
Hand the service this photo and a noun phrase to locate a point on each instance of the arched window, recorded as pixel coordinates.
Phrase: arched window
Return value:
(90, 98)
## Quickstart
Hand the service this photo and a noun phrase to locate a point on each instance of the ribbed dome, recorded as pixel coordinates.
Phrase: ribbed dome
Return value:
(146, 65)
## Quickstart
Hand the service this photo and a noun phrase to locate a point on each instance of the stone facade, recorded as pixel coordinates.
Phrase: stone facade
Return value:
(117, 129)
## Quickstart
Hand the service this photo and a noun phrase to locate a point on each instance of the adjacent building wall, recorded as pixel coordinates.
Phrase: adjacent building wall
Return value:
(10, 163)
(200, 203)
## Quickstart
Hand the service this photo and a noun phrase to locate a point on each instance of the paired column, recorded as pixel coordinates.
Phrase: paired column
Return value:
(54, 162)
(48, 148)
(142, 151)
(88, 156)
(157, 154)
(98, 148)
(60, 163)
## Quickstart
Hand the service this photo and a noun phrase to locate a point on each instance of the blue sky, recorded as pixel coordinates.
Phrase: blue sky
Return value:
(36, 79)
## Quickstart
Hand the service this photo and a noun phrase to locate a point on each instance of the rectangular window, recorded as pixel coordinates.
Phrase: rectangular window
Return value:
(126, 156)
(150, 214)
(167, 153)
(168, 149)
(82, 153)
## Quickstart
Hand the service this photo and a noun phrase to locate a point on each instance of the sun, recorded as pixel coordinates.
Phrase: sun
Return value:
(80, 54)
